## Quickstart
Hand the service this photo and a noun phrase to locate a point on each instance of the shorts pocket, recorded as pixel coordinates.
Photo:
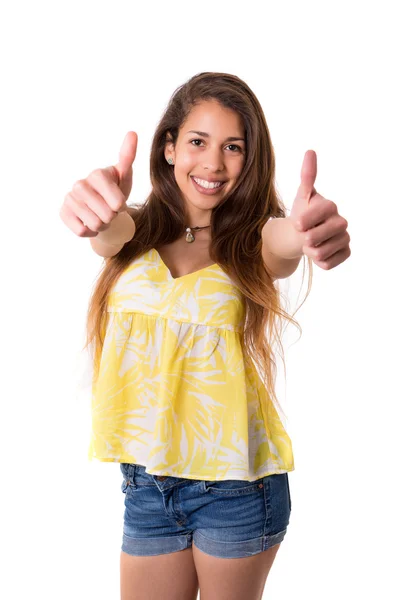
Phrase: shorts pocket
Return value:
(232, 487)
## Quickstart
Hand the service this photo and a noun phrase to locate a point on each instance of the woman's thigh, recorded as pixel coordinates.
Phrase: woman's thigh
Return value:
(170, 576)
(233, 578)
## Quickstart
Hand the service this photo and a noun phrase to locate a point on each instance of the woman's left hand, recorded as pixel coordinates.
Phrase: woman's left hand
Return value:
(323, 232)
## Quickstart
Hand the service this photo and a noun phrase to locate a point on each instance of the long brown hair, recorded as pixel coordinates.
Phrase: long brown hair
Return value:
(236, 223)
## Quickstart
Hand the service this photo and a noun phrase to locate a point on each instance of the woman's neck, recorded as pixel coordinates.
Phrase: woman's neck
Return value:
(196, 217)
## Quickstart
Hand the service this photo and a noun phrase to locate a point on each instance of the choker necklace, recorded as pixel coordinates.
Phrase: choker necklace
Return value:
(189, 235)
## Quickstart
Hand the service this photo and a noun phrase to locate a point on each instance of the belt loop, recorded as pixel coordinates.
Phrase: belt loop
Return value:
(132, 475)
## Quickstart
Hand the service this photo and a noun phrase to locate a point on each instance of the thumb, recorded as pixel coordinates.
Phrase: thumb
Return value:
(127, 155)
(122, 171)
(308, 176)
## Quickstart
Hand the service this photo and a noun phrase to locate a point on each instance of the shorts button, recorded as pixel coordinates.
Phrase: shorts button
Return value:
(161, 477)
(260, 485)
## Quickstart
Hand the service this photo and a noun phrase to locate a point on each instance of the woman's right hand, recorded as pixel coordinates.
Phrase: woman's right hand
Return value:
(93, 203)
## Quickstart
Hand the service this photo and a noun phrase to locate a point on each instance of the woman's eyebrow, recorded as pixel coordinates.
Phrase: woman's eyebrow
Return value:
(204, 134)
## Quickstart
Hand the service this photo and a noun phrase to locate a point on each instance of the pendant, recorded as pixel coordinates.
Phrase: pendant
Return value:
(189, 236)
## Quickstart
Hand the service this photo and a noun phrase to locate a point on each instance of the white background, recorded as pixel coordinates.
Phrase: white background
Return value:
(76, 77)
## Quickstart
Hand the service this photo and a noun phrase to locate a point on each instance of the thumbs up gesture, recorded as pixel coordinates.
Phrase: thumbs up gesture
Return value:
(323, 232)
(96, 206)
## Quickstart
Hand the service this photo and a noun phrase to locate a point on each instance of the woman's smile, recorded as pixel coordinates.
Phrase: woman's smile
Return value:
(207, 188)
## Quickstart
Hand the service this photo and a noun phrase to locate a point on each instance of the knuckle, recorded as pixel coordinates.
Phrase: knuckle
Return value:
(71, 202)
(309, 238)
(301, 223)
(115, 204)
(79, 186)
(97, 174)
(68, 200)
(97, 225)
(333, 206)
(81, 231)
(109, 217)
(121, 201)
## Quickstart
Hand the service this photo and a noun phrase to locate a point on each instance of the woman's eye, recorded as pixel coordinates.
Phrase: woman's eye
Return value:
(237, 148)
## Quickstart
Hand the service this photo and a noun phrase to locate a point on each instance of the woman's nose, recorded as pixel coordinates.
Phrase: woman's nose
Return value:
(213, 160)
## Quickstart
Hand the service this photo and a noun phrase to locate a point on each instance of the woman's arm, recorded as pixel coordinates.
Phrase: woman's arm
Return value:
(105, 250)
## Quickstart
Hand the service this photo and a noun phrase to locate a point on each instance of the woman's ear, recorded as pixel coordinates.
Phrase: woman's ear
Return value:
(169, 150)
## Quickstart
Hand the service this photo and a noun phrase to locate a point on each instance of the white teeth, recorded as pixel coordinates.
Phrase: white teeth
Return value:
(207, 184)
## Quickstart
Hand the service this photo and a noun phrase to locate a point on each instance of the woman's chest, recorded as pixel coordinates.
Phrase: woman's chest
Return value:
(182, 258)
(206, 296)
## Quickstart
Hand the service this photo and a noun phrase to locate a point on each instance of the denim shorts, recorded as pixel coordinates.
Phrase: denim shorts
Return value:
(226, 519)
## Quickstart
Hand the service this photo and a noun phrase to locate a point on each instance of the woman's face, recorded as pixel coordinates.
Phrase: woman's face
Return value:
(210, 150)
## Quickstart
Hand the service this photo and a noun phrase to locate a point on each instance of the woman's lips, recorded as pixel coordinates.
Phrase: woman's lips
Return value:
(209, 191)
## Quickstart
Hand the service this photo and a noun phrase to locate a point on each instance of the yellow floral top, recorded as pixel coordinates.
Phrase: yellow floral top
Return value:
(175, 391)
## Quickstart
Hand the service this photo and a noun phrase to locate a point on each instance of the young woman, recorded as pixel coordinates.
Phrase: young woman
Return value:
(182, 323)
